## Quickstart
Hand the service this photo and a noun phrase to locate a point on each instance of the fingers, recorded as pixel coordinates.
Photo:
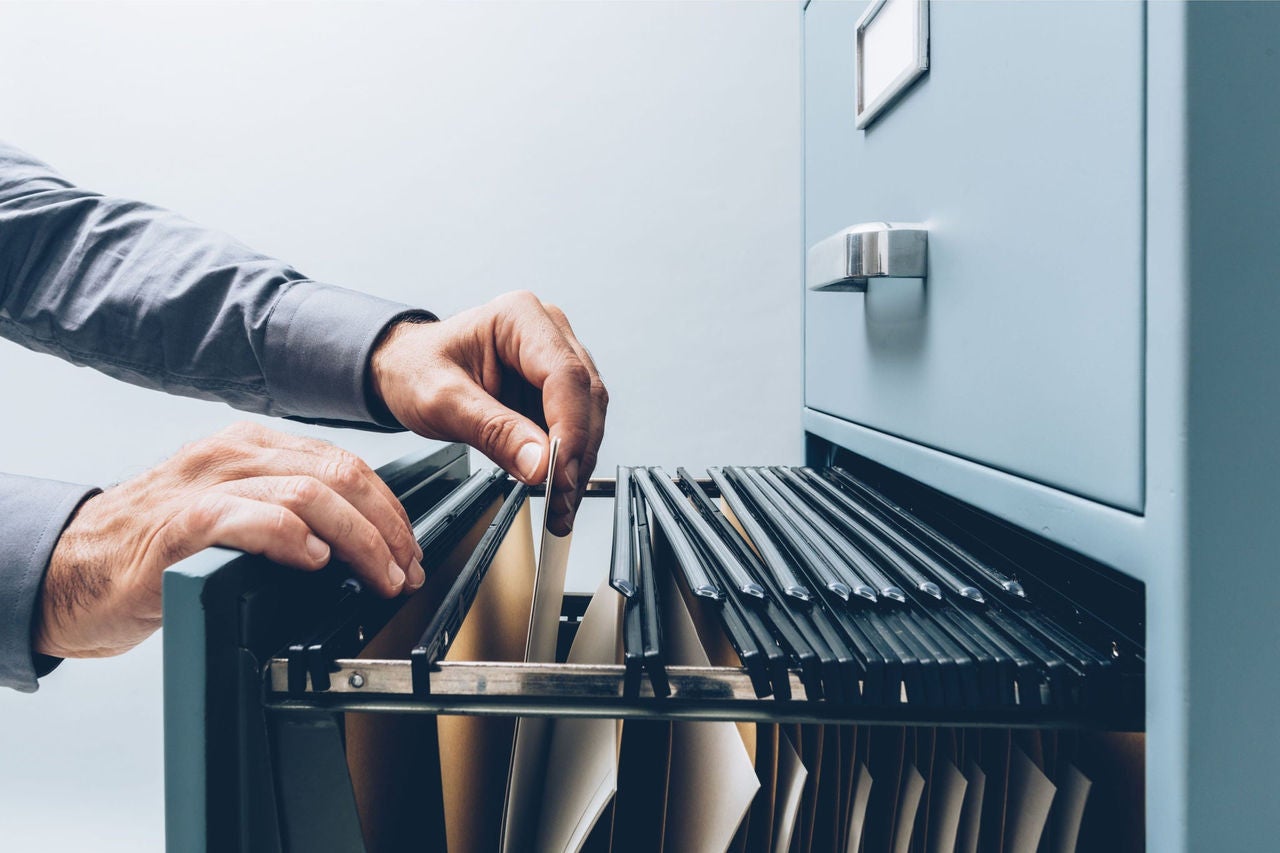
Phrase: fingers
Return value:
(266, 452)
(565, 503)
(352, 537)
(505, 436)
(233, 521)
(371, 503)
(535, 343)
(350, 475)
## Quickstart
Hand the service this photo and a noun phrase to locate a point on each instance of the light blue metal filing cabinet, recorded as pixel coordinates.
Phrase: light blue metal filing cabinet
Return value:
(1090, 353)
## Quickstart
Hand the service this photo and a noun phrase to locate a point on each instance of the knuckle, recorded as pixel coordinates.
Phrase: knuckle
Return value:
(599, 393)
(203, 513)
(219, 453)
(280, 523)
(494, 430)
(246, 430)
(205, 452)
(576, 373)
(518, 299)
(404, 536)
(369, 540)
(344, 476)
(556, 312)
(302, 491)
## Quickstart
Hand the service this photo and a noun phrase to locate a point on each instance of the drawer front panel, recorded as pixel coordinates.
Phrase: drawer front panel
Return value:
(1023, 349)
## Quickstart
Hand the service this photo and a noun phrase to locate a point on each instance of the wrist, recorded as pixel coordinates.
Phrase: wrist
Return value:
(379, 377)
(73, 581)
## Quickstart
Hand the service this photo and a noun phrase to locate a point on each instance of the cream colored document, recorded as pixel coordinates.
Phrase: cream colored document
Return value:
(1030, 798)
(791, 779)
(971, 809)
(858, 808)
(949, 786)
(529, 753)
(908, 806)
(582, 760)
(475, 752)
(1068, 809)
(393, 757)
(713, 780)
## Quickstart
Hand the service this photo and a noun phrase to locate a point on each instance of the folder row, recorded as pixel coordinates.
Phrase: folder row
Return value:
(820, 572)
(813, 585)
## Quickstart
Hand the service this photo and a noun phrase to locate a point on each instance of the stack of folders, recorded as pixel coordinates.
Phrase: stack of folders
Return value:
(835, 604)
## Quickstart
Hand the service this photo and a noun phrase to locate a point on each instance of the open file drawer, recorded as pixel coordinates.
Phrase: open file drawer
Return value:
(260, 747)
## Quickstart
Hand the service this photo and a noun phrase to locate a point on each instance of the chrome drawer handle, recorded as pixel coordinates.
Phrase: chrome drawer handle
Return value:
(848, 259)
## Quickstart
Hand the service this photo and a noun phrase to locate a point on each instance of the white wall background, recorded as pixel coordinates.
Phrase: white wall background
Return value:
(636, 163)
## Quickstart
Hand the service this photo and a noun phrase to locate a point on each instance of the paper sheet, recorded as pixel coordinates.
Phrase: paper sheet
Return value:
(1068, 809)
(858, 808)
(719, 651)
(947, 798)
(713, 780)
(1115, 761)
(971, 809)
(812, 745)
(885, 756)
(763, 808)
(996, 744)
(926, 748)
(475, 752)
(908, 805)
(791, 781)
(529, 754)
(400, 803)
(582, 760)
(1030, 798)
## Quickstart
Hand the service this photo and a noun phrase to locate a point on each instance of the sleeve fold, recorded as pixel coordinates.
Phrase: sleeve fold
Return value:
(33, 514)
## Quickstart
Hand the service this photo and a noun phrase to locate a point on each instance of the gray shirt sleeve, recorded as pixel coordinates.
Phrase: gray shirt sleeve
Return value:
(149, 297)
(32, 515)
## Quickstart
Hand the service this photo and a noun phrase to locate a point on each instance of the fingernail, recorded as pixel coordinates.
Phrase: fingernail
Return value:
(571, 470)
(395, 574)
(417, 576)
(316, 549)
(417, 549)
(528, 459)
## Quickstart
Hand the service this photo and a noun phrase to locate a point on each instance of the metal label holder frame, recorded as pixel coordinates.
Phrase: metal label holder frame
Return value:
(864, 113)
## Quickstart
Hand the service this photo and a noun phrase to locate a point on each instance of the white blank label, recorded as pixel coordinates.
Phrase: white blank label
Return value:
(891, 54)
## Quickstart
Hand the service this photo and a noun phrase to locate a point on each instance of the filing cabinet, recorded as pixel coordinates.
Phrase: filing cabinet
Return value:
(1085, 353)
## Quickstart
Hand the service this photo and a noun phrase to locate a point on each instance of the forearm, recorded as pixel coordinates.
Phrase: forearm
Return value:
(33, 514)
(146, 296)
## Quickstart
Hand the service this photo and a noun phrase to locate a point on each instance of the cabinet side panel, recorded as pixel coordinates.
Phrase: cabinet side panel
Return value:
(1233, 136)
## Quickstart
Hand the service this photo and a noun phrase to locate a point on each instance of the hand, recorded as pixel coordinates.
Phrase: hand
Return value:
(503, 378)
(296, 500)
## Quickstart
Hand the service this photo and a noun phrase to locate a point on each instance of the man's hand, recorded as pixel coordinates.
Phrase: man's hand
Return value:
(296, 500)
(501, 377)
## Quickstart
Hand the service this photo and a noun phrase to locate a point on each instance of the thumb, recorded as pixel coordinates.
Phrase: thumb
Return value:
(505, 436)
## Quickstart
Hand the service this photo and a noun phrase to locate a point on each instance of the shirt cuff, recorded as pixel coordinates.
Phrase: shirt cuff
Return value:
(33, 514)
(318, 343)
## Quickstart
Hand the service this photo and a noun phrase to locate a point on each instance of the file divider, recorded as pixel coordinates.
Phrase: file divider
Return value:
(442, 629)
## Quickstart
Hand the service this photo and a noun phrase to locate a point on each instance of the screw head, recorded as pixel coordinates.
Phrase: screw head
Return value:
(356, 680)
